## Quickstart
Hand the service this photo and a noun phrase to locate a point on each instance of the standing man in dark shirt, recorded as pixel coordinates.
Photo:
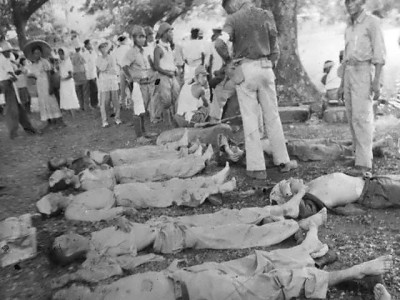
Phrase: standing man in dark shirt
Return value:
(253, 34)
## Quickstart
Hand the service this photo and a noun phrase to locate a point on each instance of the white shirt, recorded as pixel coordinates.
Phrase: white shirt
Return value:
(5, 67)
(192, 51)
(332, 79)
(149, 50)
(90, 58)
(120, 53)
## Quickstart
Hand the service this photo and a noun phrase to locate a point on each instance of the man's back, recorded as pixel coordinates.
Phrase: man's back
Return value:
(253, 32)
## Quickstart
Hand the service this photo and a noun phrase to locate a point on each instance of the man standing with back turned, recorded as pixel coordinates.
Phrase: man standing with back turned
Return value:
(365, 48)
(255, 53)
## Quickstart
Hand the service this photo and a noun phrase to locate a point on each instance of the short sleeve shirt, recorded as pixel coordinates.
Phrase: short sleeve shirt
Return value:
(253, 33)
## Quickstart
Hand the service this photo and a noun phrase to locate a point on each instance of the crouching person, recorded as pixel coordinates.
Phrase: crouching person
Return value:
(193, 100)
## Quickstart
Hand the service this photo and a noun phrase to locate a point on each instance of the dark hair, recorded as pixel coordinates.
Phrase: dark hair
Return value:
(194, 33)
(61, 49)
(85, 42)
(57, 257)
(121, 38)
(36, 47)
(21, 60)
(341, 56)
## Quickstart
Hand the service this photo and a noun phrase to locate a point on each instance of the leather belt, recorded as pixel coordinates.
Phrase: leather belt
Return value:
(353, 62)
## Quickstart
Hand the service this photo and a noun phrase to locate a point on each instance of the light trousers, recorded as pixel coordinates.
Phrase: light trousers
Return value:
(359, 105)
(258, 89)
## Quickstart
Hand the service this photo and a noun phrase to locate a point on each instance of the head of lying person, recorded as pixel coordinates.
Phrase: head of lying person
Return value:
(68, 248)
(284, 190)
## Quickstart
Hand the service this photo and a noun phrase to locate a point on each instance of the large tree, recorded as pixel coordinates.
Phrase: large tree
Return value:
(292, 82)
(17, 13)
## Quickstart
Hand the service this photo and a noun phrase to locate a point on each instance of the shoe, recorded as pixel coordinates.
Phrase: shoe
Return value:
(358, 171)
(118, 122)
(260, 175)
(106, 125)
(291, 165)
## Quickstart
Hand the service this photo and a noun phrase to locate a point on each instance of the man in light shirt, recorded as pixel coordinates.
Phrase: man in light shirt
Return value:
(15, 113)
(119, 55)
(365, 49)
(91, 73)
(194, 53)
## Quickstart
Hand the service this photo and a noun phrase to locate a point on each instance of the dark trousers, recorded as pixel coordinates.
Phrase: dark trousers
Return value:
(82, 91)
(14, 113)
(94, 100)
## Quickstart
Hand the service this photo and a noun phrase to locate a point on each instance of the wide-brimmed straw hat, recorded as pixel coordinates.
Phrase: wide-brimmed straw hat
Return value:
(45, 47)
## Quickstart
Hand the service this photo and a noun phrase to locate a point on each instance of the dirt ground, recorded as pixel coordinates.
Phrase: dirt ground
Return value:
(24, 172)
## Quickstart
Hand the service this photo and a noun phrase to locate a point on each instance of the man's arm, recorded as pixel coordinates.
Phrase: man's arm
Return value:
(379, 55)
(157, 57)
(273, 40)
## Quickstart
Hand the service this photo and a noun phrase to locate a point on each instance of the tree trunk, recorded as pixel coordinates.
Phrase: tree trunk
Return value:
(292, 82)
(20, 27)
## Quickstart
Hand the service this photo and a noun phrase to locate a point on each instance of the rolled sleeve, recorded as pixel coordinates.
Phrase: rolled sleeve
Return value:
(378, 43)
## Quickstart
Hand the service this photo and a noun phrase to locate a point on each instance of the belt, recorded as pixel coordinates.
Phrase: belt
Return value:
(353, 62)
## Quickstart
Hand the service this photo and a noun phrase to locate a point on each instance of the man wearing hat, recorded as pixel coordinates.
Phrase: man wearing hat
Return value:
(15, 113)
(193, 100)
(79, 74)
(119, 55)
(255, 53)
(164, 64)
(365, 51)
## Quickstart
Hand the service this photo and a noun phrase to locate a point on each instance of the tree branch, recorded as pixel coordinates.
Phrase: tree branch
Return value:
(33, 6)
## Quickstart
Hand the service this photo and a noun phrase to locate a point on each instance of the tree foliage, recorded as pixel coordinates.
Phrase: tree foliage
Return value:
(17, 13)
(122, 14)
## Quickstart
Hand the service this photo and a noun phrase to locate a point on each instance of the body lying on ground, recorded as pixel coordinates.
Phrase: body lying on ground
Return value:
(103, 203)
(380, 191)
(227, 229)
(278, 274)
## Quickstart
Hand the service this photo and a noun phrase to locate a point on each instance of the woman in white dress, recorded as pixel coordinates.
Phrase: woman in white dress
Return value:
(48, 106)
(68, 98)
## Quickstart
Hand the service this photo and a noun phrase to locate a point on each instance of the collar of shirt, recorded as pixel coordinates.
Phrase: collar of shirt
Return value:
(359, 19)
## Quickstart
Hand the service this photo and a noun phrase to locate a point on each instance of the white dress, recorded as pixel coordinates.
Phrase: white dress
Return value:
(68, 97)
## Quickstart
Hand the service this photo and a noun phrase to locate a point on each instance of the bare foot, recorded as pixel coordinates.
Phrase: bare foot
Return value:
(199, 151)
(208, 155)
(378, 266)
(291, 208)
(228, 186)
(222, 175)
(381, 293)
(311, 243)
(318, 219)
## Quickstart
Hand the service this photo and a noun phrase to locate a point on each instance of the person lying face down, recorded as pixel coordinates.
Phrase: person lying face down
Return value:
(102, 203)
(280, 274)
(370, 191)
(227, 229)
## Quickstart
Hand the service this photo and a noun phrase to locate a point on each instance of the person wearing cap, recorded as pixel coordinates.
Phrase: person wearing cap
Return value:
(119, 54)
(108, 83)
(331, 80)
(91, 72)
(365, 49)
(79, 74)
(255, 52)
(136, 67)
(193, 100)
(15, 113)
(167, 89)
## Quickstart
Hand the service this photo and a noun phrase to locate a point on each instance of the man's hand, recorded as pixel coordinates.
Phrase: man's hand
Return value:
(274, 59)
(12, 76)
(340, 92)
(376, 89)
